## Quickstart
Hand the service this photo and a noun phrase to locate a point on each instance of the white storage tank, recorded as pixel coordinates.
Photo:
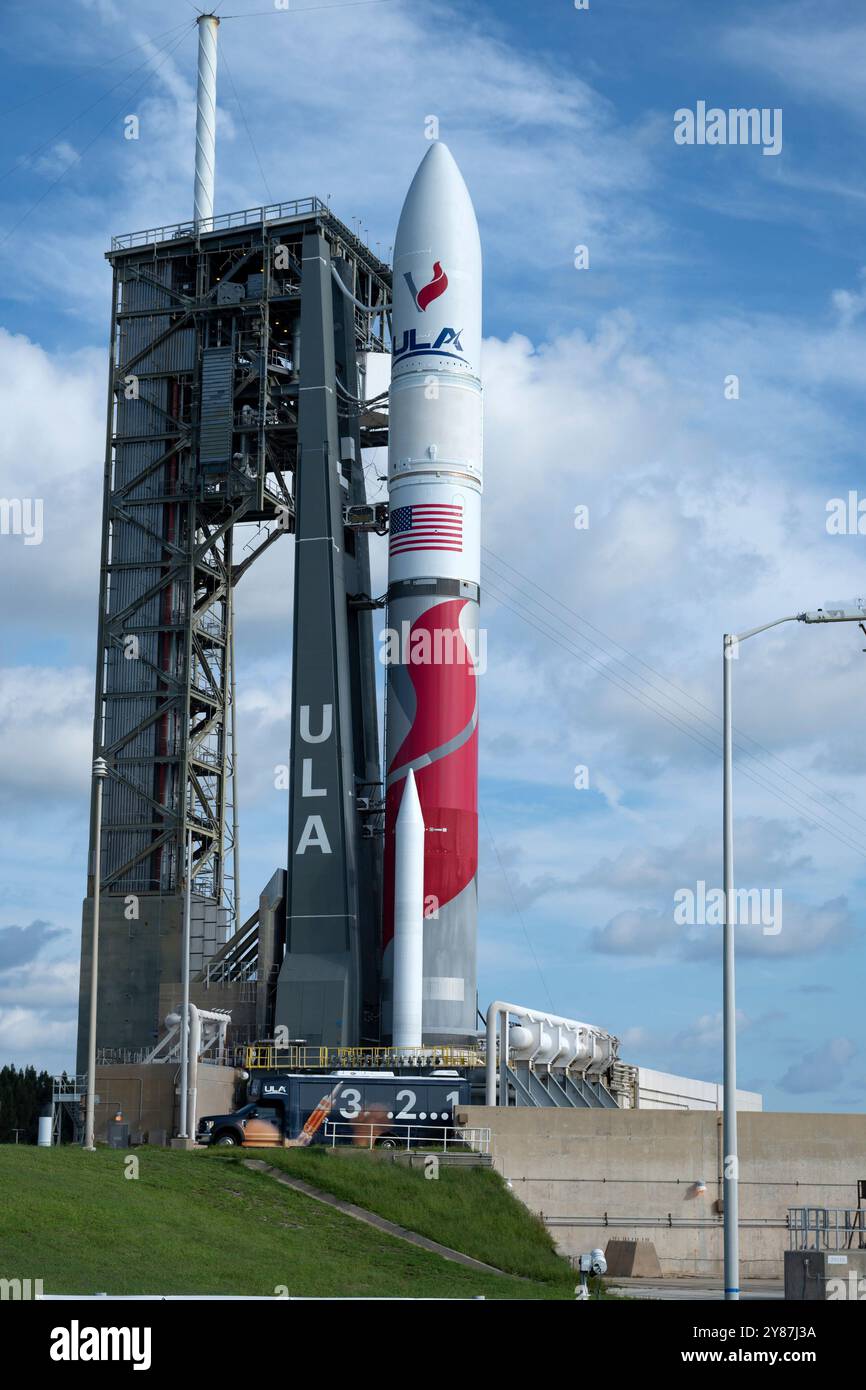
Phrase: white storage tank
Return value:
(45, 1132)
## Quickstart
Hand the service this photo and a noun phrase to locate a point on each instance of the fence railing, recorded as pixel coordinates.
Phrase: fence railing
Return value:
(827, 1228)
(382, 1135)
(68, 1087)
(298, 1055)
(270, 212)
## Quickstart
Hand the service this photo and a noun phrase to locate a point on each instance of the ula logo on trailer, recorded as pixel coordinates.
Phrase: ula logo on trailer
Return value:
(437, 286)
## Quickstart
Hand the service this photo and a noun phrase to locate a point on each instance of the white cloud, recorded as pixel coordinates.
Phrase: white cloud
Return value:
(46, 732)
(516, 119)
(850, 304)
(822, 62)
(770, 850)
(51, 448)
(642, 933)
(26, 1034)
(20, 945)
(806, 930)
(53, 161)
(823, 1069)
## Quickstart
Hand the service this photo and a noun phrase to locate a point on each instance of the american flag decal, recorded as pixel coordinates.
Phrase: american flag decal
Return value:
(426, 526)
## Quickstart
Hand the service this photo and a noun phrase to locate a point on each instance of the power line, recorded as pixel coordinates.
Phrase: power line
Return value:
(518, 913)
(23, 159)
(621, 684)
(667, 681)
(697, 737)
(79, 156)
(806, 813)
(688, 712)
(307, 9)
(91, 67)
(246, 126)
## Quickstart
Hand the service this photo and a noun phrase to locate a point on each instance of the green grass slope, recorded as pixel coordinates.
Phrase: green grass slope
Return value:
(468, 1209)
(192, 1224)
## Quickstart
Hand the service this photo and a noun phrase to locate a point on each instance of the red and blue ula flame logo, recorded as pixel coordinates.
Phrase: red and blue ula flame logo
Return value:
(437, 286)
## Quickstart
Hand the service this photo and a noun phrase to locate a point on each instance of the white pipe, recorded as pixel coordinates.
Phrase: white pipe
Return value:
(205, 122)
(408, 918)
(503, 1058)
(493, 1011)
(189, 1091)
(535, 1041)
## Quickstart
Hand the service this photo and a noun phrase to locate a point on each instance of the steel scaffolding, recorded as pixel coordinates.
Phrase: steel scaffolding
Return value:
(202, 434)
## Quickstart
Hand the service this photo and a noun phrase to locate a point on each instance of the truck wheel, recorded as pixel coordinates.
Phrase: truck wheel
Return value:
(226, 1141)
(387, 1143)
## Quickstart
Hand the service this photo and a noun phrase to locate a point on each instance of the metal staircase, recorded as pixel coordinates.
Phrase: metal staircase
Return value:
(67, 1098)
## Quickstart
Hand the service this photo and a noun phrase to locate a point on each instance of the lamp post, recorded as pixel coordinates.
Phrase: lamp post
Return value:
(183, 1125)
(100, 772)
(730, 1156)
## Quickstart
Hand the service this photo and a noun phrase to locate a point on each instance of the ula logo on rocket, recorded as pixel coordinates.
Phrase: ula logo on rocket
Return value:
(437, 286)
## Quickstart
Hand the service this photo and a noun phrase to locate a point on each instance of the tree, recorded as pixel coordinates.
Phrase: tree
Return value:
(22, 1095)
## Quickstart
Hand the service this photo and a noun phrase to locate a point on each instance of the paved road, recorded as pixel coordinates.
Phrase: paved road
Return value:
(697, 1290)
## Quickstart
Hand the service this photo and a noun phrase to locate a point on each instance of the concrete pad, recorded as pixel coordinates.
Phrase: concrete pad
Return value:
(686, 1289)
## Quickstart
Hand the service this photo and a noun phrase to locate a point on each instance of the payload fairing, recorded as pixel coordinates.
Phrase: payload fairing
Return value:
(434, 559)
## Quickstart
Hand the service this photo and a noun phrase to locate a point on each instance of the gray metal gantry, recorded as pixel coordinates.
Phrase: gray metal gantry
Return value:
(210, 408)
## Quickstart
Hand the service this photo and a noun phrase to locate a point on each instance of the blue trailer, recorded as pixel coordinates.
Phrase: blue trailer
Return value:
(369, 1109)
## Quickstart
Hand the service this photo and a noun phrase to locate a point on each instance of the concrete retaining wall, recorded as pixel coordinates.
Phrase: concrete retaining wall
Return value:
(597, 1174)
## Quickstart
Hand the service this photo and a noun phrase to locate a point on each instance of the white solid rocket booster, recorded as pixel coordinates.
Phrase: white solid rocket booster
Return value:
(434, 558)
(408, 918)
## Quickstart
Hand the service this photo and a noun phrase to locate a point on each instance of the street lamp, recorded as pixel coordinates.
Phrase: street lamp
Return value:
(100, 772)
(183, 1107)
(730, 1158)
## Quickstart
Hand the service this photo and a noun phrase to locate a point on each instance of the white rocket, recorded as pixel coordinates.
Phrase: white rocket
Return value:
(434, 481)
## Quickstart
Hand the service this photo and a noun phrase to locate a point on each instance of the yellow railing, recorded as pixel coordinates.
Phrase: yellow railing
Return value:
(269, 1057)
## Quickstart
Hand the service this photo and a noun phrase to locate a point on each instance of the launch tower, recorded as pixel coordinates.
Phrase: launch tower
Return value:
(236, 371)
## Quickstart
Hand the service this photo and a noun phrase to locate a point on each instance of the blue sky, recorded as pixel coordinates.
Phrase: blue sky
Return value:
(603, 387)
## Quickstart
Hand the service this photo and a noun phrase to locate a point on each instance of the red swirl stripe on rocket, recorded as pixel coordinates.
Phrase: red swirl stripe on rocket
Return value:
(436, 287)
(442, 747)
(446, 690)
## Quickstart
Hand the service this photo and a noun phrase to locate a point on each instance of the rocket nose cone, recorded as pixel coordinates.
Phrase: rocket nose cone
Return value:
(438, 166)
(439, 156)
(437, 200)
